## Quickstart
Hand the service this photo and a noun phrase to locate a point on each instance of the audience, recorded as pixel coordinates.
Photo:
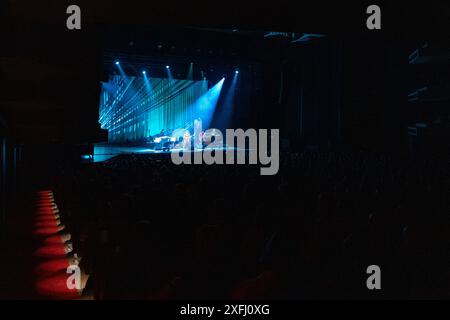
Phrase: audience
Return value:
(149, 229)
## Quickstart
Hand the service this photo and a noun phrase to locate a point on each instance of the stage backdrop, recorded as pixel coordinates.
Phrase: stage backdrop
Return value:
(134, 108)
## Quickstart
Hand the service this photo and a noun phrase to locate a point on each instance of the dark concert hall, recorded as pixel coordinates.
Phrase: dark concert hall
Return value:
(248, 154)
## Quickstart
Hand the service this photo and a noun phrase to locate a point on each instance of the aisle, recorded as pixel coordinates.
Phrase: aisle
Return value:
(53, 246)
(37, 252)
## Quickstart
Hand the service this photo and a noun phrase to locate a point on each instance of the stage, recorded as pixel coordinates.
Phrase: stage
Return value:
(104, 151)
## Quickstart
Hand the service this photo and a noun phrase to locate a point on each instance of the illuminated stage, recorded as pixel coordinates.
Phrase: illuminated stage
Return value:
(104, 150)
(151, 110)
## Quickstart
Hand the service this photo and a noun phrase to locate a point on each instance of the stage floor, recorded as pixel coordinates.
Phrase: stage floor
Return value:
(104, 151)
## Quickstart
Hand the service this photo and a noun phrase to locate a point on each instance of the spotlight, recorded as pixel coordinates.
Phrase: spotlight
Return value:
(237, 71)
(167, 67)
(117, 63)
(143, 72)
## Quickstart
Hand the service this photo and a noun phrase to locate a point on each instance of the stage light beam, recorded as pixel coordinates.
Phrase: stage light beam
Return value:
(225, 111)
(147, 83)
(190, 75)
(169, 75)
(204, 107)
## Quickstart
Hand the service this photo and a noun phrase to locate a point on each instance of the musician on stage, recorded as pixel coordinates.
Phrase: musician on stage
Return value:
(187, 140)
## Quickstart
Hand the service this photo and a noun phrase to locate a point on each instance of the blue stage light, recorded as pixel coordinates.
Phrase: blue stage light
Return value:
(204, 107)
(237, 71)
(127, 111)
(117, 63)
(167, 67)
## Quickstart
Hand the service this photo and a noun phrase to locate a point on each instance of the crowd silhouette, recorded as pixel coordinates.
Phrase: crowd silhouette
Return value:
(149, 229)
